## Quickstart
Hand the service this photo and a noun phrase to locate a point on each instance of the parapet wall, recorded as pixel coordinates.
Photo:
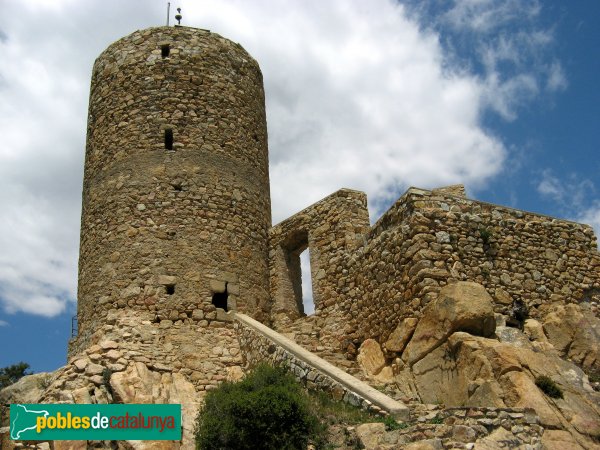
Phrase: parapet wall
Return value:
(429, 238)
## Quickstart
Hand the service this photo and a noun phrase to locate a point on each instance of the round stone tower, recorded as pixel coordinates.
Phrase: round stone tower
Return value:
(176, 206)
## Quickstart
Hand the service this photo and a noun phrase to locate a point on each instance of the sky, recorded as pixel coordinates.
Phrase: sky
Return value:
(500, 95)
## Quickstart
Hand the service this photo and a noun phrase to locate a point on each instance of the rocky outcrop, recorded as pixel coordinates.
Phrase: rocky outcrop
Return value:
(28, 389)
(458, 357)
(139, 384)
(575, 333)
(475, 371)
(462, 306)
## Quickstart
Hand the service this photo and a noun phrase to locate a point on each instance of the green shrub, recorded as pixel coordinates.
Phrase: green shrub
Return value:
(391, 424)
(486, 235)
(548, 387)
(266, 410)
(437, 420)
(12, 374)
(331, 412)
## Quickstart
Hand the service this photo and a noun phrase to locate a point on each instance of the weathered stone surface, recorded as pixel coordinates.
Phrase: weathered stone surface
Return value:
(94, 369)
(426, 444)
(138, 384)
(559, 440)
(385, 375)
(109, 345)
(370, 434)
(470, 370)
(575, 332)
(499, 439)
(234, 374)
(535, 330)
(401, 335)
(520, 390)
(70, 445)
(5, 441)
(81, 364)
(462, 306)
(28, 389)
(370, 357)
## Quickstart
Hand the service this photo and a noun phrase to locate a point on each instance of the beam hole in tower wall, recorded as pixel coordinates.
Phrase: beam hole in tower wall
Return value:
(170, 288)
(219, 299)
(165, 50)
(169, 139)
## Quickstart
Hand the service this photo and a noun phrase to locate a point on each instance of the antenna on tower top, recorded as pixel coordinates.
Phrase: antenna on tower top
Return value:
(168, 12)
(178, 16)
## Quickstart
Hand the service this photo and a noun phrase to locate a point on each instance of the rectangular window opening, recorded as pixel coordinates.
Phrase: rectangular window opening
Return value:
(219, 299)
(169, 139)
(170, 288)
(165, 50)
(306, 286)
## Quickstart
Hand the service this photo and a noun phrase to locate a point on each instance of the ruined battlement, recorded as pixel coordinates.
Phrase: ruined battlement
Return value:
(428, 239)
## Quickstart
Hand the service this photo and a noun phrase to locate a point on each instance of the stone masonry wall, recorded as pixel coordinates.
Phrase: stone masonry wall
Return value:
(428, 239)
(331, 228)
(176, 203)
(202, 350)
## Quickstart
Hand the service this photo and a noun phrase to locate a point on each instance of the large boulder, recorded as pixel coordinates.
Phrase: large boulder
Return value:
(401, 335)
(370, 357)
(138, 384)
(28, 389)
(575, 332)
(462, 306)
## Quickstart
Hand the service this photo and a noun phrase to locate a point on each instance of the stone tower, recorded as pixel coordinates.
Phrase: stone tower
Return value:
(176, 205)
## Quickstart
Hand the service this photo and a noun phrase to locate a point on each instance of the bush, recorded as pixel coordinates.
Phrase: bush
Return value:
(12, 374)
(548, 387)
(391, 424)
(267, 410)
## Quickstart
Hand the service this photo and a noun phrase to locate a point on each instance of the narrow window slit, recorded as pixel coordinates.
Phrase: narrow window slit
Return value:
(165, 50)
(219, 299)
(169, 139)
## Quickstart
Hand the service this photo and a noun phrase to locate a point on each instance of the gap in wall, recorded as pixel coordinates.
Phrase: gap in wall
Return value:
(307, 292)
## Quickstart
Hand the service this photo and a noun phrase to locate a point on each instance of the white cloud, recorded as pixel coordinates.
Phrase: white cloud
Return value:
(574, 195)
(557, 79)
(358, 96)
(571, 191)
(551, 186)
(591, 216)
(486, 16)
(3, 323)
(504, 42)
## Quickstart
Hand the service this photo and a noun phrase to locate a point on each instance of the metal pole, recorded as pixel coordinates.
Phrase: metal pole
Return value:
(168, 12)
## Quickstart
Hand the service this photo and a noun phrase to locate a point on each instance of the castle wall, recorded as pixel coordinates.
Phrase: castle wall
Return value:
(428, 239)
(330, 229)
(176, 203)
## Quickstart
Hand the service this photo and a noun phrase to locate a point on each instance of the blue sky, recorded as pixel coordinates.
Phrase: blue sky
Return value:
(501, 95)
